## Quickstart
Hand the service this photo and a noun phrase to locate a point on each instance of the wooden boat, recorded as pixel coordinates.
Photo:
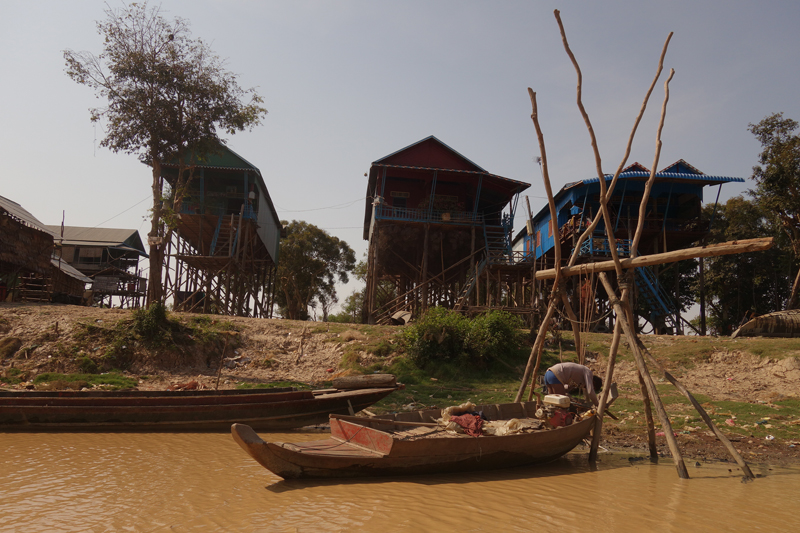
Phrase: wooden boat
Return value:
(411, 443)
(194, 410)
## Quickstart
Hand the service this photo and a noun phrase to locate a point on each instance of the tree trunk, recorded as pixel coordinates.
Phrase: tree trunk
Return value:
(792, 303)
(155, 291)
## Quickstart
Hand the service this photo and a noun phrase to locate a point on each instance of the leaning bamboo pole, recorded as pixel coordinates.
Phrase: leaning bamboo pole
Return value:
(622, 318)
(709, 250)
(699, 408)
(536, 352)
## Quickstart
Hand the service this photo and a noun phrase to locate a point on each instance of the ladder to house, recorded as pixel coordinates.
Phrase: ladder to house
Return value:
(463, 298)
(224, 241)
(656, 298)
(498, 244)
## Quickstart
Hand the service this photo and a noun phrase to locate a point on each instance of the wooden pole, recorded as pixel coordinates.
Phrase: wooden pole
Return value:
(589, 230)
(672, 443)
(709, 250)
(648, 415)
(536, 351)
(601, 408)
(683, 390)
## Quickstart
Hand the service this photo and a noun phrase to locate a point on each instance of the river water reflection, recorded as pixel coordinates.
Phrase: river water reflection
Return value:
(204, 482)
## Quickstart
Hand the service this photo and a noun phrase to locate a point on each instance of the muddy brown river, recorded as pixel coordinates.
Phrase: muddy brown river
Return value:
(204, 482)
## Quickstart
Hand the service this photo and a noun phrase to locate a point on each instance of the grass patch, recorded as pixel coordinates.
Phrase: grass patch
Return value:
(14, 376)
(108, 381)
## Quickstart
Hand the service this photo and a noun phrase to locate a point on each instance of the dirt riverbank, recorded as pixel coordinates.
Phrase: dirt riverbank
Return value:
(48, 339)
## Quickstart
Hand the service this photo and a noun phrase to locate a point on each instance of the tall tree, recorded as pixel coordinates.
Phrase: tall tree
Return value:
(311, 262)
(167, 97)
(777, 180)
(742, 284)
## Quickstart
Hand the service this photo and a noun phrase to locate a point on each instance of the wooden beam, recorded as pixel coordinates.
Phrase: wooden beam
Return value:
(710, 250)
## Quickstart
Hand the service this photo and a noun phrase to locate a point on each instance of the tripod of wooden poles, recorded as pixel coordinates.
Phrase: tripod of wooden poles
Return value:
(624, 276)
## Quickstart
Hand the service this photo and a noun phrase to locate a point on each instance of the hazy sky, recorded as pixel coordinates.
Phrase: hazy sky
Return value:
(348, 82)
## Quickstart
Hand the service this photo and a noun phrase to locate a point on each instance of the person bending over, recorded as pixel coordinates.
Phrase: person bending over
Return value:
(563, 376)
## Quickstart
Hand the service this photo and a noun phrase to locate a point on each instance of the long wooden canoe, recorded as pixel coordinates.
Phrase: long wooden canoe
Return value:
(204, 410)
(388, 446)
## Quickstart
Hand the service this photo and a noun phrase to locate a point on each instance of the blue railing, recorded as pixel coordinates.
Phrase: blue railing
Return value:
(660, 302)
(216, 236)
(190, 207)
(600, 246)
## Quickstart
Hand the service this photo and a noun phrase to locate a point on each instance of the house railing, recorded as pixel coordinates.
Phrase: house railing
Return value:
(190, 208)
(409, 214)
(600, 246)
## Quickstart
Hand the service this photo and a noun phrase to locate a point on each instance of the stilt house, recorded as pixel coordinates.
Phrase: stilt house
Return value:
(672, 221)
(434, 221)
(110, 257)
(227, 239)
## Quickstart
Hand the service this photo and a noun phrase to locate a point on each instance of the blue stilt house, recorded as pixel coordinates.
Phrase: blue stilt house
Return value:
(672, 221)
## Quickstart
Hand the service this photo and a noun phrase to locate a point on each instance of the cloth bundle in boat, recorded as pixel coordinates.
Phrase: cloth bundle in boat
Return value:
(471, 424)
(455, 410)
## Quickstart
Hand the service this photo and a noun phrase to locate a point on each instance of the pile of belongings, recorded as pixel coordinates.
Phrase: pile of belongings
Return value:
(465, 419)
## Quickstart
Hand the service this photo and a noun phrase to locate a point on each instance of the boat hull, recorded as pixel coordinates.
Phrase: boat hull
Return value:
(177, 411)
(385, 456)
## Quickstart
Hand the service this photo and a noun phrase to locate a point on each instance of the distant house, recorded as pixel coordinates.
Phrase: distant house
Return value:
(437, 224)
(227, 238)
(28, 269)
(110, 257)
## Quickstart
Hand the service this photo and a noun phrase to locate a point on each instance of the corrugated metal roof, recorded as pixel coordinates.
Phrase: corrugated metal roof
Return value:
(669, 175)
(20, 213)
(126, 239)
(69, 270)
(224, 159)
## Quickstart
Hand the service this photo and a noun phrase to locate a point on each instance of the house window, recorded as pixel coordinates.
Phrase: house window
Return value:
(538, 239)
(399, 198)
(550, 228)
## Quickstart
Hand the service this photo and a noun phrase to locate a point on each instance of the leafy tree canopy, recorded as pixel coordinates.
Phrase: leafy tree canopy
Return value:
(741, 284)
(167, 95)
(777, 179)
(311, 262)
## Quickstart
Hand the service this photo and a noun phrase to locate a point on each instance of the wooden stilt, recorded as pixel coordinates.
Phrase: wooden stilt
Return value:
(648, 415)
(601, 408)
(648, 380)
(699, 408)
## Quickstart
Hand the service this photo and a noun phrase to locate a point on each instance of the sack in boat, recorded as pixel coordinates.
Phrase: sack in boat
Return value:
(471, 424)
(448, 412)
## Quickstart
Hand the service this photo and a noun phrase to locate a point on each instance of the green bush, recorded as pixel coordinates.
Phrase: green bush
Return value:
(494, 334)
(151, 322)
(442, 335)
(87, 365)
(438, 335)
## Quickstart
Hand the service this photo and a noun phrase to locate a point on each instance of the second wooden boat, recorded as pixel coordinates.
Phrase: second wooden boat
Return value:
(194, 410)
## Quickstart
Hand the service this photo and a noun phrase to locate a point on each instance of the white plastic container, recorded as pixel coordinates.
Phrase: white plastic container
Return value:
(559, 400)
